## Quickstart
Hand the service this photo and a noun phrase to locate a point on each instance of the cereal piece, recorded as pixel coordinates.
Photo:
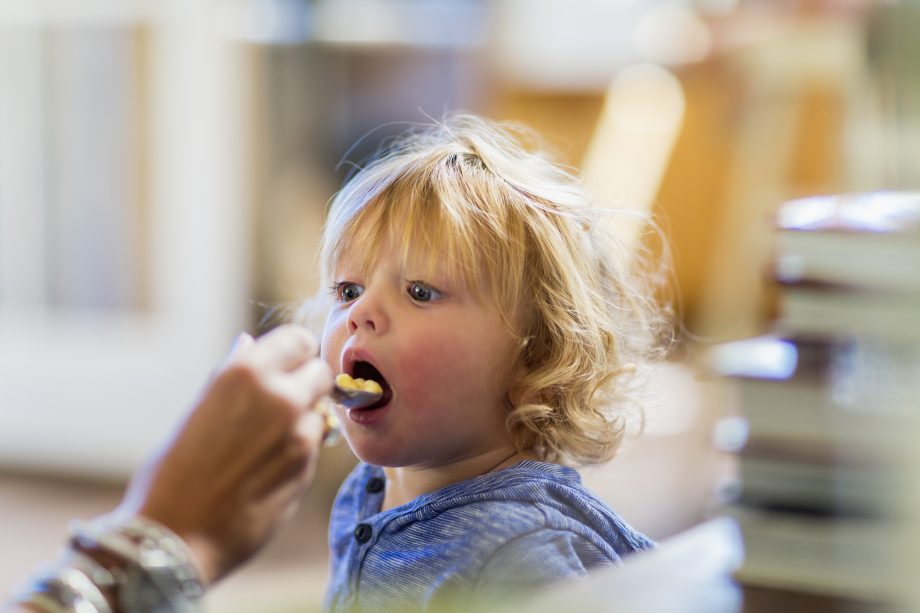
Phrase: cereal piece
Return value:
(345, 382)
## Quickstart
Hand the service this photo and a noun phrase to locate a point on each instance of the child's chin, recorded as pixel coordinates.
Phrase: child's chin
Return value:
(390, 458)
(380, 456)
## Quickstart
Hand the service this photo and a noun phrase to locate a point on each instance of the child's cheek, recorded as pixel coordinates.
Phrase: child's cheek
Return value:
(426, 370)
(333, 338)
(435, 373)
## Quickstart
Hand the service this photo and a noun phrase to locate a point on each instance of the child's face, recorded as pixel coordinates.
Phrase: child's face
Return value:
(443, 355)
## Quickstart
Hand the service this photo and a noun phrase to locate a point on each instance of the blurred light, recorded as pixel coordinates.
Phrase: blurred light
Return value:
(764, 357)
(263, 21)
(559, 45)
(672, 35)
(432, 23)
(646, 99)
(731, 434)
(626, 160)
(881, 211)
(429, 23)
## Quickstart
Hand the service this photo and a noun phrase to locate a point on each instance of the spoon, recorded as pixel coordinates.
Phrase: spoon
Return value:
(354, 399)
(344, 394)
(354, 394)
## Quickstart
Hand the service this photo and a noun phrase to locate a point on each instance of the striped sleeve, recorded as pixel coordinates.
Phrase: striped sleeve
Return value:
(534, 560)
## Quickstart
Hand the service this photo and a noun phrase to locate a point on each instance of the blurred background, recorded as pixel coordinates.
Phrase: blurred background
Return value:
(165, 168)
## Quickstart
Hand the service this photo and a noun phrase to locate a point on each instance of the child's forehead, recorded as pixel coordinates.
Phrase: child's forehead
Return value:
(418, 260)
(429, 237)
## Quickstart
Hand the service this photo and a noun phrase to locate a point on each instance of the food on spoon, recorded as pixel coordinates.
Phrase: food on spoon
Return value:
(344, 381)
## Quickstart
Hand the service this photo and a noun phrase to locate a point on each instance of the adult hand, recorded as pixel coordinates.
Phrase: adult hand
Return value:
(243, 456)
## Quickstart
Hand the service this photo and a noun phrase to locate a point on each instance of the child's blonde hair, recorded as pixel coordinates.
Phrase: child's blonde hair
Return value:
(470, 195)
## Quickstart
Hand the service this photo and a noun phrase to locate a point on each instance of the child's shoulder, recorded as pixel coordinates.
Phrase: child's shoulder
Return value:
(529, 500)
(532, 502)
(528, 525)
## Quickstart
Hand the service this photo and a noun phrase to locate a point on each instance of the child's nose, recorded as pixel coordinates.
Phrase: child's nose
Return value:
(355, 323)
(367, 313)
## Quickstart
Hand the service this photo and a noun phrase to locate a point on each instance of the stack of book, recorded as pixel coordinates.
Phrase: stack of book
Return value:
(850, 265)
(829, 404)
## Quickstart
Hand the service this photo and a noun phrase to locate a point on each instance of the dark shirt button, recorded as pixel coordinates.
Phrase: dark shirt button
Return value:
(374, 485)
(363, 533)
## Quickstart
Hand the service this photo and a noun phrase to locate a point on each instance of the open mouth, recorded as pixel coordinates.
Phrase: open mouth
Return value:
(366, 370)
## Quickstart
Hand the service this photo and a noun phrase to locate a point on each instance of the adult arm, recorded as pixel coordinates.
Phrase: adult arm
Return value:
(242, 457)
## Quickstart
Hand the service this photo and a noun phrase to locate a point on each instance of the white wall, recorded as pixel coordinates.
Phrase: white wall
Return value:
(89, 383)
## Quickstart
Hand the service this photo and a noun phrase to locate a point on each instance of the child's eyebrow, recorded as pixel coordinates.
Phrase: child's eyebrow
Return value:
(431, 269)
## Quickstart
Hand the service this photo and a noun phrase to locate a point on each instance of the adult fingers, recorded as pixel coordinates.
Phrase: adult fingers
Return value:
(308, 383)
(285, 348)
(237, 350)
(293, 463)
(311, 428)
(240, 344)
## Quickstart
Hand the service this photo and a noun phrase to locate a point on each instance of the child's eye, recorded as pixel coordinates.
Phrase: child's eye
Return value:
(422, 292)
(346, 291)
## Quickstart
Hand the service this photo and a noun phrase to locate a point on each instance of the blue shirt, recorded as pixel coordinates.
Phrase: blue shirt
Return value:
(485, 538)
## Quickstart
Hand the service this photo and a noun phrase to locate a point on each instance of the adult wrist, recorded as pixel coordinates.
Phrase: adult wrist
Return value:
(119, 564)
(153, 568)
(73, 583)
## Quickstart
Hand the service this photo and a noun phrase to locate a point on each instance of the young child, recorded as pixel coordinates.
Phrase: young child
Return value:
(472, 280)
